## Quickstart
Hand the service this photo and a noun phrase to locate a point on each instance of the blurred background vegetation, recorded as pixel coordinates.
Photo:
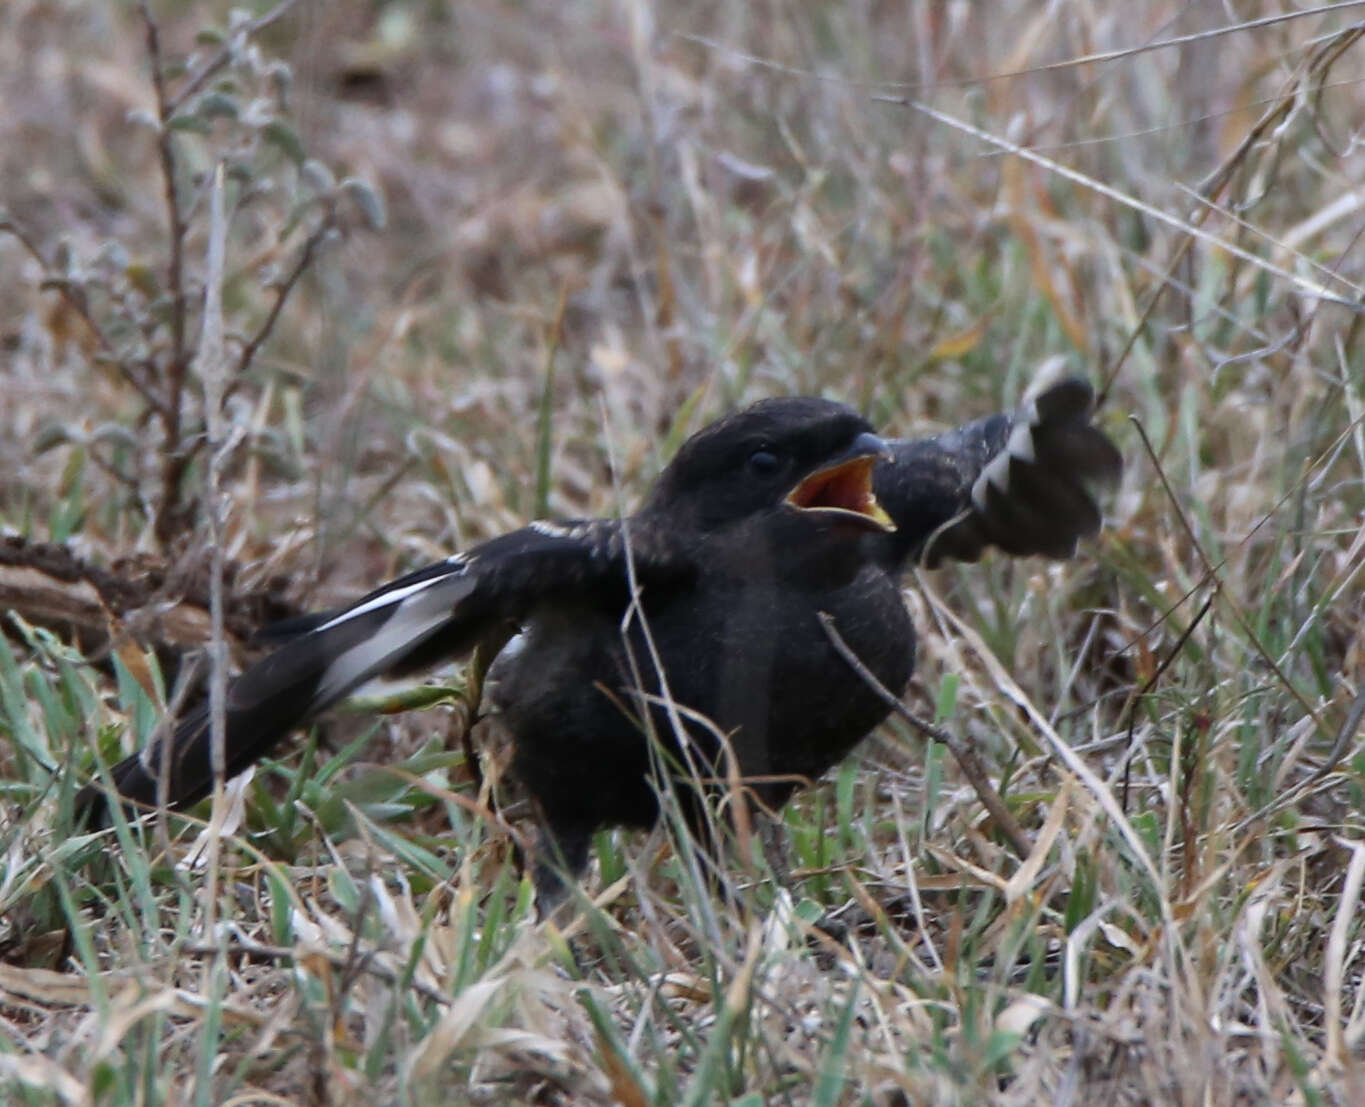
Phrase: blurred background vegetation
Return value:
(488, 261)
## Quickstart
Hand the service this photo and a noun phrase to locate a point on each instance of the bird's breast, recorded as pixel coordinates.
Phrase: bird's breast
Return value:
(756, 659)
(749, 655)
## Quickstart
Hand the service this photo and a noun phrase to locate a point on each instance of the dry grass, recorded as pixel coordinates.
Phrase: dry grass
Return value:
(634, 217)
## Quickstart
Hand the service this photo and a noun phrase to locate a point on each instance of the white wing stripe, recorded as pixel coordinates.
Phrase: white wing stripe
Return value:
(385, 599)
(1021, 442)
(417, 616)
(996, 473)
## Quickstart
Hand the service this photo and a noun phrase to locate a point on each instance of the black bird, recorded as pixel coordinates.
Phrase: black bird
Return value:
(764, 520)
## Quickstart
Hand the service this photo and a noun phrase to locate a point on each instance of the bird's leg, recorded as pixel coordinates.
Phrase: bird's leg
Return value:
(559, 856)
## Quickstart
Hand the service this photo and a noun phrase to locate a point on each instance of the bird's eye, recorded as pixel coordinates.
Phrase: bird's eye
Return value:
(764, 463)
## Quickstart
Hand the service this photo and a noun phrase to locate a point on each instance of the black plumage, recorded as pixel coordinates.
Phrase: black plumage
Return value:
(763, 521)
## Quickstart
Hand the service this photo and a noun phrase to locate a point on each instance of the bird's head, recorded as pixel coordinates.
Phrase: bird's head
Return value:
(802, 459)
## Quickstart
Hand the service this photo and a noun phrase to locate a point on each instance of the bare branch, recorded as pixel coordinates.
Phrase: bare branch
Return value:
(285, 289)
(966, 757)
(175, 220)
(169, 512)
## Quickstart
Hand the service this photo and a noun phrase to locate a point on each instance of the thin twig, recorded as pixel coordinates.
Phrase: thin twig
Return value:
(1130, 707)
(142, 386)
(283, 291)
(965, 756)
(253, 345)
(176, 224)
(196, 80)
(1244, 623)
(211, 364)
(212, 358)
(108, 466)
(1079, 61)
(1355, 715)
(1212, 186)
(1349, 298)
(173, 464)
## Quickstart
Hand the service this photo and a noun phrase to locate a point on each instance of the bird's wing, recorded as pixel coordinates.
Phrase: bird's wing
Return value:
(437, 613)
(1020, 481)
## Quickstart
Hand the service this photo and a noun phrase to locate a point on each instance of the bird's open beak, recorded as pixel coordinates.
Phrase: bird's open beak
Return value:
(845, 488)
